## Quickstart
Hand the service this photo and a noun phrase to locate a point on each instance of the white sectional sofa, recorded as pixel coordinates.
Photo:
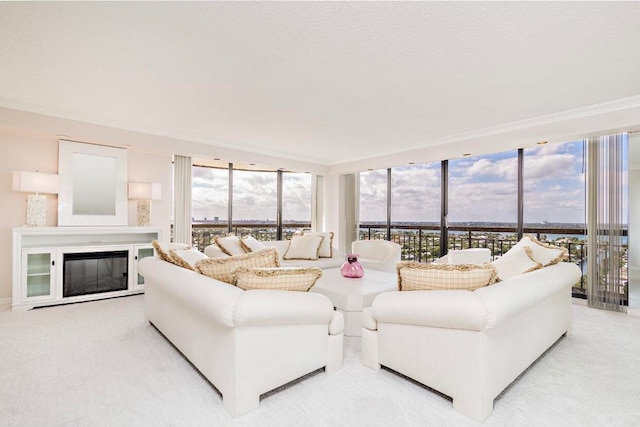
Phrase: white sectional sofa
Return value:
(336, 260)
(244, 342)
(470, 345)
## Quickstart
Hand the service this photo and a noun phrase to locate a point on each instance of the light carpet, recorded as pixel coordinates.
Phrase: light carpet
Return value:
(100, 364)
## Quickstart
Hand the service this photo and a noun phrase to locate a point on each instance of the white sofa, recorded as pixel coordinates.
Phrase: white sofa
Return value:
(380, 255)
(470, 345)
(336, 261)
(244, 342)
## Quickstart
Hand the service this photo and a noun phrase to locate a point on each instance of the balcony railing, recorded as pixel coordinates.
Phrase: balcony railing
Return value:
(422, 243)
(204, 235)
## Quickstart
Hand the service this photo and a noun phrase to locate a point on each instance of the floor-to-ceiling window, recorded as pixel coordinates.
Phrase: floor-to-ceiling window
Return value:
(555, 197)
(251, 197)
(296, 202)
(415, 210)
(373, 204)
(483, 204)
(482, 196)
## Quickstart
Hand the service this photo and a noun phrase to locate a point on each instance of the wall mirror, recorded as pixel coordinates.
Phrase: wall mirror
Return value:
(93, 184)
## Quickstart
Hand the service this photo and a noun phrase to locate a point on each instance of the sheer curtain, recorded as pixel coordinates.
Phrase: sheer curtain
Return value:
(605, 222)
(182, 190)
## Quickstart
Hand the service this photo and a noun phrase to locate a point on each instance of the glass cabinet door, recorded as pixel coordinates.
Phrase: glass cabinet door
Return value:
(38, 275)
(141, 251)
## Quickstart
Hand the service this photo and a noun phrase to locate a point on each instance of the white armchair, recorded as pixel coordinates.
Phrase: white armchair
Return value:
(377, 254)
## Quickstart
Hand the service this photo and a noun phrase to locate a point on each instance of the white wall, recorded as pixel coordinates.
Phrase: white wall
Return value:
(31, 152)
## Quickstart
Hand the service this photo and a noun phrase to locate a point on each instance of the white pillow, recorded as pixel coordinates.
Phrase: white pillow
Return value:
(163, 248)
(541, 252)
(230, 245)
(417, 276)
(250, 244)
(304, 247)
(284, 279)
(326, 248)
(186, 258)
(515, 262)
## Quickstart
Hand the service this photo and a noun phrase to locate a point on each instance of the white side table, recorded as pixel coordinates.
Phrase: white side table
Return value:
(351, 296)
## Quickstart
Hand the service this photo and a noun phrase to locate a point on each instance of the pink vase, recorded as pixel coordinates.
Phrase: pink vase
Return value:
(352, 268)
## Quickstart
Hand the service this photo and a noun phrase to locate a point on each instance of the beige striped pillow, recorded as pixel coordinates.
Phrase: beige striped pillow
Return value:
(222, 268)
(285, 279)
(415, 276)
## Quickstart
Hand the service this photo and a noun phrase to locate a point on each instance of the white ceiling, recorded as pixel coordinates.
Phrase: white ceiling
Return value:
(329, 83)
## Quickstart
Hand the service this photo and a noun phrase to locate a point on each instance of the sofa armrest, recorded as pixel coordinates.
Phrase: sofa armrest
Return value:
(440, 309)
(269, 307)
(212, 298)
(513, 296)
(336, 324)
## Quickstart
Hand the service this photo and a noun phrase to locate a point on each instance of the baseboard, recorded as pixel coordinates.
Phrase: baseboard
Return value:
(5, 301)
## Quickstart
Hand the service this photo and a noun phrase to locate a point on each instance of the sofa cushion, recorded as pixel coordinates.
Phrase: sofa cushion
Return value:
(283, 279)
(186, 258)
(214, 251)
(543, 253)
(250, 244)
(304, 247)
(327, 243)
(230, 245)
(222, 268)
(515, 262)
(163, 248)
(413, 276)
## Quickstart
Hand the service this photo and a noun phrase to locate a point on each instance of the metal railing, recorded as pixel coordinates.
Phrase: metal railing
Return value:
(204, 235)
(422, 243)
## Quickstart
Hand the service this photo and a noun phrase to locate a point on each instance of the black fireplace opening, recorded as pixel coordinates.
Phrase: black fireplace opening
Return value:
(95, 272)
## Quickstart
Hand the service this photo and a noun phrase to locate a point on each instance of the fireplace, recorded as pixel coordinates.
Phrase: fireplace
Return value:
(95, 272)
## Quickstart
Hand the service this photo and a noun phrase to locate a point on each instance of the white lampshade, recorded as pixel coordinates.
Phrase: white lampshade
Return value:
(145, 190)
(35, 182)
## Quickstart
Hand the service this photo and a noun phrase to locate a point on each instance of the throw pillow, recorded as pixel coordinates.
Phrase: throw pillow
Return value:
(230, 245)
(222, 268)
(304, 247)
(186, 258)
(163, 248)
(415, 276)
(515, 262)
(543, 253)
(286, 279)
(326, 247)
(250, 244)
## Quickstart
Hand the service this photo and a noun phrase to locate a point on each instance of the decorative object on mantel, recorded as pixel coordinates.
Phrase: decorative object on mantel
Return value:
(144, 192)
(352, 268)
(37, 183)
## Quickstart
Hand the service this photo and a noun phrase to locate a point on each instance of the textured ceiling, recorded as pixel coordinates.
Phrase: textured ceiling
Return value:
(315, 81)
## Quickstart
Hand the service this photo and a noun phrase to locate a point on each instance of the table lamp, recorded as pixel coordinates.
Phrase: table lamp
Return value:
(36, 182)
(144, 192)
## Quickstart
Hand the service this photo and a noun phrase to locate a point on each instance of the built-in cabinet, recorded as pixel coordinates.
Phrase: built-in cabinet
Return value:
(39, 254)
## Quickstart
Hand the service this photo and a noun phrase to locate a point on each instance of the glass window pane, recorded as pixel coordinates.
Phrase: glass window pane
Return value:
(554, 186)
(415, 210)
(296, 202)
(415, 194)
(373, 196)
(483, 200)
(210, 195)
(254, 197)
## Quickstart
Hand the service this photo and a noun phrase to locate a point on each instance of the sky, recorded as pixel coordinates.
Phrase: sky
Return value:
(481, 189)
(484, 188)
(254, 195)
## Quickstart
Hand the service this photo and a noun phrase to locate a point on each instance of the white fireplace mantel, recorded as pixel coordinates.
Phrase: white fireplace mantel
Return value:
(38, 257)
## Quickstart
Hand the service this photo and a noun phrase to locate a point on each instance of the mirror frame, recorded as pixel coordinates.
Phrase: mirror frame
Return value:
(65, 197)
